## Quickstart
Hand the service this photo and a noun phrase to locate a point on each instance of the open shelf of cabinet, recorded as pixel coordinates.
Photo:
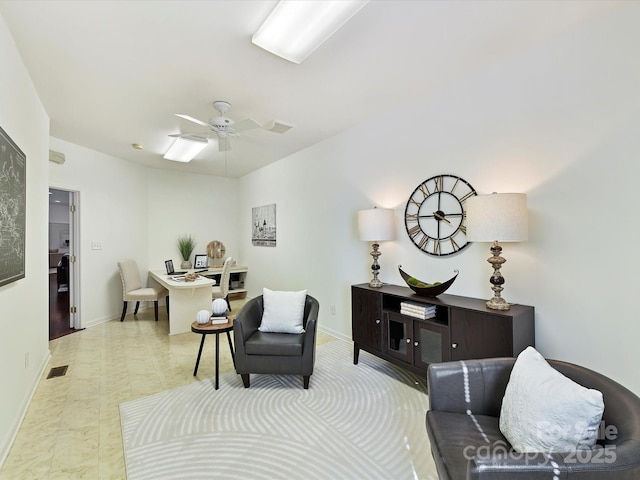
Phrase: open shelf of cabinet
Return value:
(461, 328)
(236, 279)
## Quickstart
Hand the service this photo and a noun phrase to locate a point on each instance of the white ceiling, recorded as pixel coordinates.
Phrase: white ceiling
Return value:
(113, 73)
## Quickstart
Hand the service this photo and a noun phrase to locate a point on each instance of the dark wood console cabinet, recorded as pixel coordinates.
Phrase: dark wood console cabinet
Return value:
(463, 328)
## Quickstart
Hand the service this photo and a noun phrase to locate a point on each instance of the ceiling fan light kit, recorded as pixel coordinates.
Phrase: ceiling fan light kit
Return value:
(294, 29)
(185, 148)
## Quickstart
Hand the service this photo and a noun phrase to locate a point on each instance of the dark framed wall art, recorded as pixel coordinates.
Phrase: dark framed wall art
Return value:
(263, 227)
(13, 201)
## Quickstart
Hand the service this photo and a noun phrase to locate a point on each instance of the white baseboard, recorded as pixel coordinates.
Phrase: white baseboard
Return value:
(108, 318)
(334, 333)
(98, 321)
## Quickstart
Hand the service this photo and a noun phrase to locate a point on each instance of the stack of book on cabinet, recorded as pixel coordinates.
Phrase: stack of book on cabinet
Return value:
(418, 310)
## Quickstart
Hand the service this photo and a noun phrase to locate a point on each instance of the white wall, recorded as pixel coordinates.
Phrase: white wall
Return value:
(58, 213)
(137, 213)
(113, 210)
(58, 227)
(58, 234)
(188, 204)
(558, 122)
(24, 348)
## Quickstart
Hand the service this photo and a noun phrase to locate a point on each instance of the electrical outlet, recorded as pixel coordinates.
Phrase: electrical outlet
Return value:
(96, 245)
(333, 309)
(26, 360)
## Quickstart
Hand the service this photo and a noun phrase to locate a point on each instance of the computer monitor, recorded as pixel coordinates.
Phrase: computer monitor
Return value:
(201, 261)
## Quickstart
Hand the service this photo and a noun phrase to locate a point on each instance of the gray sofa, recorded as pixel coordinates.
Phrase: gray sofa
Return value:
(467, 444)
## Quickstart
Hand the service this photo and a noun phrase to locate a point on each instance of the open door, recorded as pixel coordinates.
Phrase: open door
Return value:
(74, 264)
(64, 294)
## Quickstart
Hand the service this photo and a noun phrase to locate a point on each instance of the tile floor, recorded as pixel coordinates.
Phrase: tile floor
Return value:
(72, 427)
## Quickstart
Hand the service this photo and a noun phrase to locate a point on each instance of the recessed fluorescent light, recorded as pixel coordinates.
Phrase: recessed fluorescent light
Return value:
(296, 28)
(185, 148)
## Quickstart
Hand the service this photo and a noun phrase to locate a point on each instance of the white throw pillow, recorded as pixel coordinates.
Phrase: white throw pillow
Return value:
(282, 311)
(544, 411)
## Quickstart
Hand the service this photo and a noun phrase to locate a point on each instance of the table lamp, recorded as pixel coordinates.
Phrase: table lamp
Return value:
(499, 217)
(376, 225)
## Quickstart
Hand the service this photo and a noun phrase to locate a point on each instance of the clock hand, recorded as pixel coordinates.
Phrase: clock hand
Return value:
(440, 217)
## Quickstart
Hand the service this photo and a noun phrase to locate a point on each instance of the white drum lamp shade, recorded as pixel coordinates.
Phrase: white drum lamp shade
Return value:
(376, 225)
(499, 217)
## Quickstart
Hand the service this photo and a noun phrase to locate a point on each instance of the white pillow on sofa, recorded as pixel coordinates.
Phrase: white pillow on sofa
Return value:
(282, 312)
(544, 411)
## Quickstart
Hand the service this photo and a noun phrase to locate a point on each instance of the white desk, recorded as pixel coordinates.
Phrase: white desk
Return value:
(185, 299)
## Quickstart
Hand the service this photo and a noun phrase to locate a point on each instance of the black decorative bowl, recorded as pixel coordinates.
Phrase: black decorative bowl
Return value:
(427, 291)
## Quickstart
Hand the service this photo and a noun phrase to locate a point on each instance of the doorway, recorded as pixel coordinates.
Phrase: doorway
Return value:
(63, 264)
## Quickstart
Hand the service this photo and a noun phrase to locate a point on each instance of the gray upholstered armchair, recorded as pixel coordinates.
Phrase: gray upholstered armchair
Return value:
(465, 400)
(277, 353)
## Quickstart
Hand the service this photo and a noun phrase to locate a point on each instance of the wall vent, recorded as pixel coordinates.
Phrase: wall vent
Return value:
(58, 371)
(56, 157)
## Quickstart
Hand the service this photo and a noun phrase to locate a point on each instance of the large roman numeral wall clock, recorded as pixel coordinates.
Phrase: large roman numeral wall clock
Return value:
(435, 215)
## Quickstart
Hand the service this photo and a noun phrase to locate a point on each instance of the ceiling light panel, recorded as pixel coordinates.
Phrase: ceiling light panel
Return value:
(184, 149)
(296, 28)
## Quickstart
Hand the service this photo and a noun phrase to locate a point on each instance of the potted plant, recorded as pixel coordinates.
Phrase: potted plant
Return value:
(186, 245)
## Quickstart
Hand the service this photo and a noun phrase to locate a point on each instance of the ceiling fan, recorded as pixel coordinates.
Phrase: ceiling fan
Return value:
(223, 128)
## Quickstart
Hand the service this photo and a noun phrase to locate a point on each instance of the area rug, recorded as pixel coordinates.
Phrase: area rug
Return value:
(364, 421)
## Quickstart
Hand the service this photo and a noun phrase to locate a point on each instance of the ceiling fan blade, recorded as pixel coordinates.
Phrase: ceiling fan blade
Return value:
(191, 119)
(192, 136)
(246, 124)
(278, 126)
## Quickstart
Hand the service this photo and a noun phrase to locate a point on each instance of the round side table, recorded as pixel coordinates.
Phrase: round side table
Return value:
(208, 329)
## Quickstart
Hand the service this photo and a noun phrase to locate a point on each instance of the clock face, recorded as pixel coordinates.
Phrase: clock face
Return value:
(435, 215)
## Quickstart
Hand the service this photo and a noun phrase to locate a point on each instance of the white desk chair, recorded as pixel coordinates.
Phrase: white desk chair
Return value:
(222, 289)
(132, 289)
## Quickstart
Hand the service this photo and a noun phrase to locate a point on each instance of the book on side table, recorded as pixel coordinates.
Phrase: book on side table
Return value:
(218, 320)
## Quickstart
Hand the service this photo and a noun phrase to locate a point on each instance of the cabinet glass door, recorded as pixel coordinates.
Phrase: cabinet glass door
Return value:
(431, 344)
(398, 332)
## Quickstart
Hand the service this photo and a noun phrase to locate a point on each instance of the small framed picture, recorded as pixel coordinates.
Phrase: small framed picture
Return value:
(201, 261)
